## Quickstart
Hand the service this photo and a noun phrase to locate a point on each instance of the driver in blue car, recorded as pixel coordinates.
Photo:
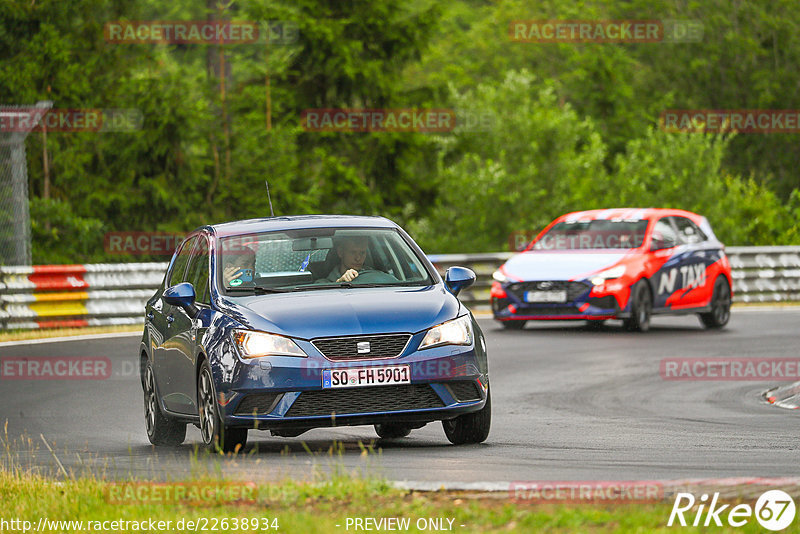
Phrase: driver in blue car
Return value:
(352, 252)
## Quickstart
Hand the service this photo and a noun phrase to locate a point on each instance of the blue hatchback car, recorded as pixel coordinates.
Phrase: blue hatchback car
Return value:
(292, 323)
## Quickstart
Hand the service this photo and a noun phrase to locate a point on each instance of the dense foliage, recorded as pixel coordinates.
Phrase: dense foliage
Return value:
(574, 126)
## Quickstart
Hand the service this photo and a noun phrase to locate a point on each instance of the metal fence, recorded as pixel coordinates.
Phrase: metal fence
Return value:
(51, 296)
(15, 225)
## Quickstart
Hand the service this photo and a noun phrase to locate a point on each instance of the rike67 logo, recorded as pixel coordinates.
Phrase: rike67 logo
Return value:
(774, 510)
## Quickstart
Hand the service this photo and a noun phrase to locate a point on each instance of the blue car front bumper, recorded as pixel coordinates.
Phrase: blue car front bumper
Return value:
(287, 392)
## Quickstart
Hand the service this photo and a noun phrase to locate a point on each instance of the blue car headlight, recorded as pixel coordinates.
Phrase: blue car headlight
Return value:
(455, 332)
(254, 344)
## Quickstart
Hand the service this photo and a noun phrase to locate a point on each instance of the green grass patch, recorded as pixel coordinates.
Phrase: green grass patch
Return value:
(323, 505)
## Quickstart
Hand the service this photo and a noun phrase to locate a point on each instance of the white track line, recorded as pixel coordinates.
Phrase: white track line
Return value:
(422, 485)
(86, 337)
(765, 308)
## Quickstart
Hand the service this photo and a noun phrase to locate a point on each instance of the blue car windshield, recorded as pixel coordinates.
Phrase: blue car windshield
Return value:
(597, 234)
(308, 259)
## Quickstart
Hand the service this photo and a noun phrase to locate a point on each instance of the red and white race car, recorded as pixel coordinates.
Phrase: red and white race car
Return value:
(624, 264)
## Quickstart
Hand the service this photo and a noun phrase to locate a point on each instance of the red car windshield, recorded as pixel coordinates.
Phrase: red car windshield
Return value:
(597, 234)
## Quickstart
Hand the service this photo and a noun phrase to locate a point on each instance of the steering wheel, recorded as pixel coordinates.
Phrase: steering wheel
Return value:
(374, 276)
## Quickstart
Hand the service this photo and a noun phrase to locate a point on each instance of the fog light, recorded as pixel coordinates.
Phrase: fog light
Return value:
(497, 291)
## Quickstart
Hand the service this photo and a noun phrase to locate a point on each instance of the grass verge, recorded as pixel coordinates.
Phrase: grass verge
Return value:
(322, 506)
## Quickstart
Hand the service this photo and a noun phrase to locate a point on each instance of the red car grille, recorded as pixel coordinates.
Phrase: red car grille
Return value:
(574, 289)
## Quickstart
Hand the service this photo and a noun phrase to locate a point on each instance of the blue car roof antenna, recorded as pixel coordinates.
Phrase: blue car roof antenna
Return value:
(271, 213)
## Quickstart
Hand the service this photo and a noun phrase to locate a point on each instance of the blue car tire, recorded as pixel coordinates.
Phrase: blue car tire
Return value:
(472, 427)
(216, 436)
(160, 430)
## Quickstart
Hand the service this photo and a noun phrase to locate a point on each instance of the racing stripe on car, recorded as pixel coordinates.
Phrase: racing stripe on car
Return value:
(701, 282)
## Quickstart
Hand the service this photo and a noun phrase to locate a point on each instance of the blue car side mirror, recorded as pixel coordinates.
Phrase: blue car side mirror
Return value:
(182, 295)
(458, 278)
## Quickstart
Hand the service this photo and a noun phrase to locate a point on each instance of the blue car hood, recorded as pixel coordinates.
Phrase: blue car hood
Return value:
(540, 265)
(343, 312)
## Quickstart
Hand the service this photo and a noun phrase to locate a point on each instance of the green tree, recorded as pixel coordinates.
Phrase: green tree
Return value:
(539, 160)
(686, 171)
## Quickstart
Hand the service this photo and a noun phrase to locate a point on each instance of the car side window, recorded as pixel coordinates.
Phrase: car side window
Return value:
(389, 259)
(688, 232)
(377, 251)
(181, 260)
(664, 235)
(197, 273)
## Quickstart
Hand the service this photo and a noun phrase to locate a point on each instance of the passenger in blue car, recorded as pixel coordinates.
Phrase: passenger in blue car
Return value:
(239, 267)
(352, 252)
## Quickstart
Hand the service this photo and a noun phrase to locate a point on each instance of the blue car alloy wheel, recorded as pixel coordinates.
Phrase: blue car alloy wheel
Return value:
(285, 324)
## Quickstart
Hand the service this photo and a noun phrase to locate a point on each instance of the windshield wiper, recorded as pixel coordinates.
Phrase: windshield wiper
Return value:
(337, 285)
(346, 285)
(258, 290)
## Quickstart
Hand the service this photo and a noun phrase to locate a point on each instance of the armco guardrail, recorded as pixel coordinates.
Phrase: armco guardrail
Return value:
(765, 274)
(52, 296)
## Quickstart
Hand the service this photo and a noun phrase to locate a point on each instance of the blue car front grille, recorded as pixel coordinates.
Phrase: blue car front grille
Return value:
(376, 346)
(365, 400)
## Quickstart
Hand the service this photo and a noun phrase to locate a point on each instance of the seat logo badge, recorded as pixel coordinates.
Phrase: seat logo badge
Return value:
(363, 347)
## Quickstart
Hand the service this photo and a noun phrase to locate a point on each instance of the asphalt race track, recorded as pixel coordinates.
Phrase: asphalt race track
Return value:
(568, 404)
